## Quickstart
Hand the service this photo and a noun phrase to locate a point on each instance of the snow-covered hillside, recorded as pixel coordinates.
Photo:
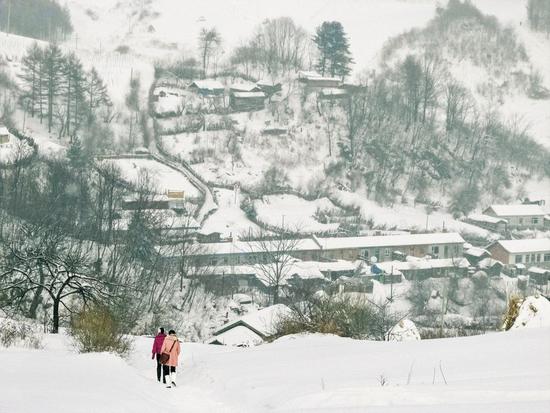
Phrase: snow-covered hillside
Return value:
(163, 27)
(500, 372)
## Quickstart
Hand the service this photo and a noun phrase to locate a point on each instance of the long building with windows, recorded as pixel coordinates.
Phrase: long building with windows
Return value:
(522, 251)
(437, 245)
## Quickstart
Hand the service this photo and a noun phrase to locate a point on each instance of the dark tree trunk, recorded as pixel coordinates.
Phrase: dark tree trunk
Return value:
(55, 328)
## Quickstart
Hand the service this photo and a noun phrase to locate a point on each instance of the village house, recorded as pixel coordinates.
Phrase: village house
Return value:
(474, 255)
(436, 245)
(296, 274)
(521, 216)
(421, 269)
(314, 80)
(207, 87)
(522, 252)
(269, 87)
(538, 275)
(488, 222)
(246, 101)
(4, 135)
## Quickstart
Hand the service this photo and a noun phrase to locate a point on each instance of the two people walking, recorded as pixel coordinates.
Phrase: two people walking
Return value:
(166, 350)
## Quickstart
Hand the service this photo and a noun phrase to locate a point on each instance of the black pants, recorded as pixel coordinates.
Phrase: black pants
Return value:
(160, 368)
(168, 369)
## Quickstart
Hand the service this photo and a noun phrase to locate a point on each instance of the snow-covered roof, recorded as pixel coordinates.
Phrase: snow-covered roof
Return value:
(235, 247)
(237, 336)
(309, 75)
(476, 252)
(339, 265)
(315, 244)
(518, 246)
(488, 262)
(208, 84)
(517, 210)
(244, 87)
(4, 130)
(486, 218)
(333, 91)
(390, 267)
(538, 270)
(391, 240)
(300, 269)
(245, 95)
(267, 82)
(263, 322)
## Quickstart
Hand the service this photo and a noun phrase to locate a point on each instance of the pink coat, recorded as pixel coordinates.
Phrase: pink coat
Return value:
(157, 344)
(170, 341)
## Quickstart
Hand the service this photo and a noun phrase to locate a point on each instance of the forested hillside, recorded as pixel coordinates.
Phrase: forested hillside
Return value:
(41, 19)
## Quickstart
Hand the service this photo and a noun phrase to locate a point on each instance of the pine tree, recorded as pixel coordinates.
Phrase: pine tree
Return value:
(53, 64)
(31, 76)
(334, 54)
(96, 94)
(73, 95)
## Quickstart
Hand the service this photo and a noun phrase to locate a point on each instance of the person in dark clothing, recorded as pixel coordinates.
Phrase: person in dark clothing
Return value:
(157, 347)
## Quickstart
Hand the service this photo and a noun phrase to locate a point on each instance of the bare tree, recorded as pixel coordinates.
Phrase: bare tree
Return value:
(209, 41)
(273, 259)
(62, 273)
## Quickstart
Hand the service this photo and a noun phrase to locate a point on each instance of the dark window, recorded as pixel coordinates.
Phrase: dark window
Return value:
(518, 258)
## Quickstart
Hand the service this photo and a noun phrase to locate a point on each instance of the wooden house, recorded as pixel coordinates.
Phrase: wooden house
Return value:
(246, 101)
(207, 87)
(269, 87)
(314, 80)
(4, 135)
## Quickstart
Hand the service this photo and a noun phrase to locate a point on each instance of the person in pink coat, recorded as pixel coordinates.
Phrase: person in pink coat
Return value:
(171, 345)
(157, 347)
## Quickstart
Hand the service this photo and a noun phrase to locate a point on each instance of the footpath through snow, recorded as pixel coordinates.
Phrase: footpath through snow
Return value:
(498, 372)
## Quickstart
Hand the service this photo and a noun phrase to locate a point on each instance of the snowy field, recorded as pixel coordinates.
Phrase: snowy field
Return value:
(406, 216)
(163, 177)
(499, 372)
(290, 211)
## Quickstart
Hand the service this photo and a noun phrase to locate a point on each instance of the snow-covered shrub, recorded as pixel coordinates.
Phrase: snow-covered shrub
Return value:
(405, 330)
(18, 333)
(96, 330)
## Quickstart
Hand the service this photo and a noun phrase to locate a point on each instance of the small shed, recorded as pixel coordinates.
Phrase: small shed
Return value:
(208, 87)
(539, 276)
(316, 80)
(4, 135)
(269, 87)
(253, 328)
(244, 87)
(247, 101)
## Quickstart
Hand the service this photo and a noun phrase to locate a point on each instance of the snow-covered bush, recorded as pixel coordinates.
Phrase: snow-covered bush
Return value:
(18, 333)
(96, 330)
(405, 330)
